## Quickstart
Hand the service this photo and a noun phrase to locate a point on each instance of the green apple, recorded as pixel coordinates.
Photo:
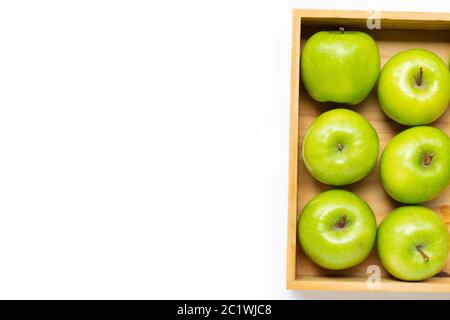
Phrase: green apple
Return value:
(412, 243)
(340, 147)
(414, 87)
(337, 229)
(415, 165)
(340, 66)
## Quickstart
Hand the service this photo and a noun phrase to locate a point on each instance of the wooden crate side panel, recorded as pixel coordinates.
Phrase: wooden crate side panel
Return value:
(389, 20)
(293, 153)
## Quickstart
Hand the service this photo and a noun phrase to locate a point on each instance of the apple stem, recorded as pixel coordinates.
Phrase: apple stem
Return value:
(341, 223)
(341, 29)
(427, 159)
(340, 146)
(419, 81)
(424, 255)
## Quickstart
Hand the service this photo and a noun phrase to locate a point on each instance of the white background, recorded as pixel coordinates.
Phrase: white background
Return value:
(144, 144)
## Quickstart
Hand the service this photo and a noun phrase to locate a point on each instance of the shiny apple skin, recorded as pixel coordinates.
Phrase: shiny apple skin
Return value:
(406, 102)
(403, 174)
(320, 150)
(339, 66)
(401, 232)
(332, 247)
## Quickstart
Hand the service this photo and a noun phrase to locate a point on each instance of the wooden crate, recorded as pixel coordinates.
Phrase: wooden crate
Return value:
(399, 31)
